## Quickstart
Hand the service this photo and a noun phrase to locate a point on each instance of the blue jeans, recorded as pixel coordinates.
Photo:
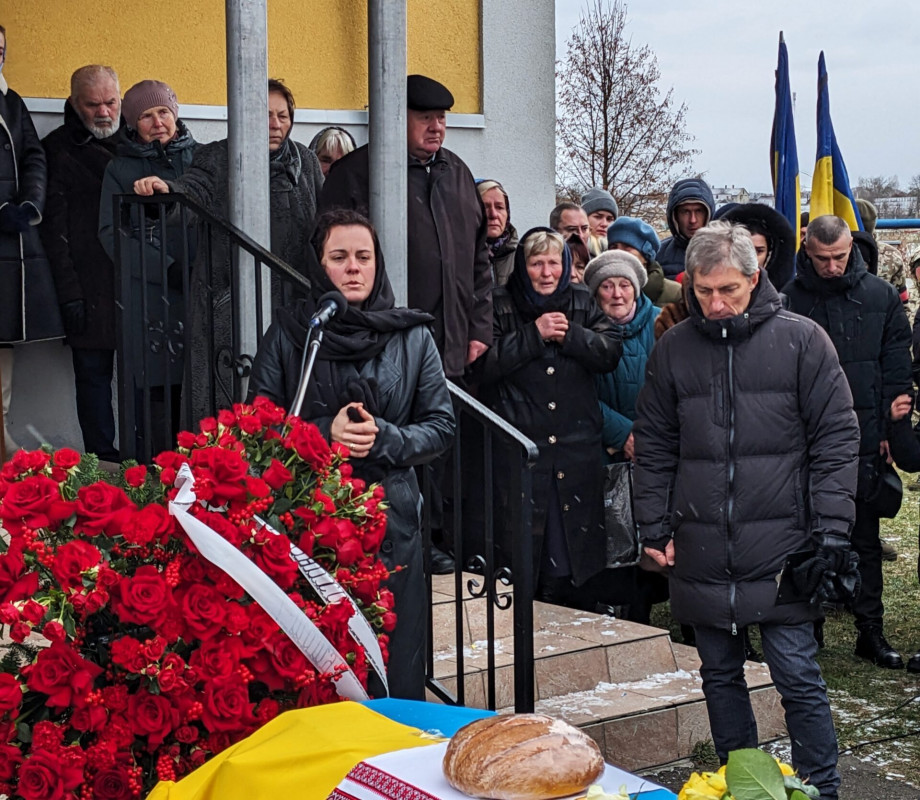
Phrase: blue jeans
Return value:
(789, 651)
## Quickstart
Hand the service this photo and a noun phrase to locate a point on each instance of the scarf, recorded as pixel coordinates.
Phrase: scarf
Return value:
(529, 302)
(496, 245)
(286, 163)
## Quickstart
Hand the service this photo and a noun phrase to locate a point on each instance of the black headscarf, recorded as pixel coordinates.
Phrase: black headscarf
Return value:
(529, 302)
(360, 333)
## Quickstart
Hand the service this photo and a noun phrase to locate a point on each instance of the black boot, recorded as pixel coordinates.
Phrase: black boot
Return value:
(913, 663)
(441, 563)
(872, 645)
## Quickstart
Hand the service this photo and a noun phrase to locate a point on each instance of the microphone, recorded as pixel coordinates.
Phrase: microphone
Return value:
(328, 306)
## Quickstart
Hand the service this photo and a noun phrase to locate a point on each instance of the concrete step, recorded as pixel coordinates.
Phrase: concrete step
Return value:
(634, 691)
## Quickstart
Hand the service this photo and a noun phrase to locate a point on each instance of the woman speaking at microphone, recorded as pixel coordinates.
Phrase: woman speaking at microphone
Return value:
(378, 388)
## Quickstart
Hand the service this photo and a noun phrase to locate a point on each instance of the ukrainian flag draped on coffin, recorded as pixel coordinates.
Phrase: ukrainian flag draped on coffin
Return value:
(784, 159)
(830, 184)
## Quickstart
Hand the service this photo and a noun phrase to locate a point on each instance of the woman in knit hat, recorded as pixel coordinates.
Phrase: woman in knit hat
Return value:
(639, 238)
(155, 142)
(616, 279)
(602, 210)
(501, 236)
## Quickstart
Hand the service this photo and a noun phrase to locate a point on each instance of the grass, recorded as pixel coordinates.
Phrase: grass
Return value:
(876, 711)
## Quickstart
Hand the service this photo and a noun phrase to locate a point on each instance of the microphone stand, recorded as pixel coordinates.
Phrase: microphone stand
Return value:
(314, 340)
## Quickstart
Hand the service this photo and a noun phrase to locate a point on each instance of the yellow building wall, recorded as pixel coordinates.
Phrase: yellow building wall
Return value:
(319, 47)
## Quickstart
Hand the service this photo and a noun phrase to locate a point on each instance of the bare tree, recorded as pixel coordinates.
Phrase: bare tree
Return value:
(877, 186)
(614, 128)
(914, 186)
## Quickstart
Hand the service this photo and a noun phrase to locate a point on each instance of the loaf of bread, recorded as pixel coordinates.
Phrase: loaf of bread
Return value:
(521, 757)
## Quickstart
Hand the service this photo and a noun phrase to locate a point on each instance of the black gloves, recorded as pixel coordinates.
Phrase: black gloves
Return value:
(16, 218)
(73, 313)
(831, 574)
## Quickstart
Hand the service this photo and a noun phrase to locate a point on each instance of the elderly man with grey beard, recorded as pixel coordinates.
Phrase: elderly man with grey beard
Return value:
(746, 455)
(84, 276)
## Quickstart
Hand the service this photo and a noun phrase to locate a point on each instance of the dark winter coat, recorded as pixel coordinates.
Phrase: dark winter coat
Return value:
(618, 390)
(547, 391)
(136, 160)
(416, 423)
(865, 320)
(82, 270)
(449, 272)
(746, 449)
(295, 183)
(672, 251)
(780, 263)
(28, 307)
(503, 260)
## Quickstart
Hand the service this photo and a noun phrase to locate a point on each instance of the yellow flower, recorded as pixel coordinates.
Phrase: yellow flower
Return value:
(785, 768)
(698, 787)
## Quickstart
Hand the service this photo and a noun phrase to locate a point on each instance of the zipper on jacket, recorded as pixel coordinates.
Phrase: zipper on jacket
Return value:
(730, 503)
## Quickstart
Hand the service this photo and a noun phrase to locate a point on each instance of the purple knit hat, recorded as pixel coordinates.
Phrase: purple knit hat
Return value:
(144, 95)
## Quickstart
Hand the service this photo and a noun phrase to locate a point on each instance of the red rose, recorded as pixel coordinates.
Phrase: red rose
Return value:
(277, 474)
(226, 418)
(10, 759)
(325, 500)
(89, 719)
(65, 458)
(186, 440)
(20, 631)
(203, 610)
(250, 425)
(208, 425)
(226, 705)
(372, 536)
(135, 476)
(72, 560)
(41, 778)
(172, 673)
(257, 487)
(101, 507)
(268, 412)
(15, 583)
(144, 599)
(389, 621)
(349, 552)
(10, 694)
(226, 469)
(33, 612)
(273, 554)
(153, 716)
(53, 631)
(187, 734)
(113, 783)
(151, 523)
(309, 444)
(30, 502)
(219, 658)
(286, 657)
(221, 525)
(62, 675)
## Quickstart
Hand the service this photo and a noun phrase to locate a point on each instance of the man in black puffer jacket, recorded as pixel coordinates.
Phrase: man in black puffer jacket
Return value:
(746, 446)
(864, 317)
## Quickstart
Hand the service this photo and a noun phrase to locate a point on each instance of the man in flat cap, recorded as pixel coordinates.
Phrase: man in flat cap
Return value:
(448, 258)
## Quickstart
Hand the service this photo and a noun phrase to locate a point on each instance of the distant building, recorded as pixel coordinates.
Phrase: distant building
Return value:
(897, 207)
(730, 194)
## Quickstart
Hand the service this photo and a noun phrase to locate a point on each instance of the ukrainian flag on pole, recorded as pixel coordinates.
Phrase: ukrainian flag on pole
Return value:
(784, 162)
(830, 184)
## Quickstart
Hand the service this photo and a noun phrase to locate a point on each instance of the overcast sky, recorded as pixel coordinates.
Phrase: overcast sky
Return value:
(720, 58)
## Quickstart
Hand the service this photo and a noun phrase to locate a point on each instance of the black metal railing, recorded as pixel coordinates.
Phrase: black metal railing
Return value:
(162, 359)
(490, 539)
(172, 373)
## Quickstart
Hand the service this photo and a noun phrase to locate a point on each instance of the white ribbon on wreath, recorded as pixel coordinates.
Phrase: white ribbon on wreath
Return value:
(309, 639)
(331, 591)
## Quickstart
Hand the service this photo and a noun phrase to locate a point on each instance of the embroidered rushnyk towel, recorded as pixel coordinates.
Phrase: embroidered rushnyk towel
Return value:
(416, 774)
